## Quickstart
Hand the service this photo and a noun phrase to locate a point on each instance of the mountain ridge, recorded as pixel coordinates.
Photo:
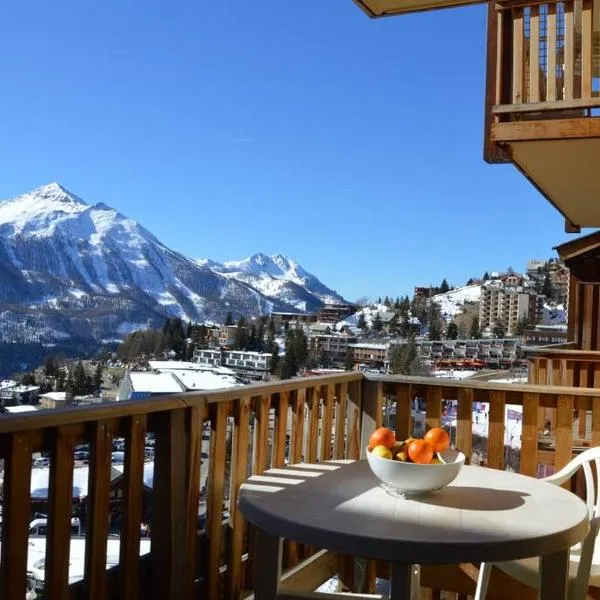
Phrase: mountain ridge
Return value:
(73, 270)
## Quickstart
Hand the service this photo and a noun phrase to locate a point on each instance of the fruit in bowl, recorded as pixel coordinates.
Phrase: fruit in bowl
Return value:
(414, 466)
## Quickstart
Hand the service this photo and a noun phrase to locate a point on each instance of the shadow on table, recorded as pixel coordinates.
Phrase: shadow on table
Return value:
(475, 498)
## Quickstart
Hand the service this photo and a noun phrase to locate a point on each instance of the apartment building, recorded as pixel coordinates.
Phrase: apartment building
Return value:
(227, 335)
(371, 354)
(506, 301)
(298, 318)
(335, 347)
(333, 313)
(239, 360)
(479, 353)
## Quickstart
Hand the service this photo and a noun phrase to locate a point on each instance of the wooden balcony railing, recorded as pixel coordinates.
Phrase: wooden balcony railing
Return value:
(547, 59)
(248, 430)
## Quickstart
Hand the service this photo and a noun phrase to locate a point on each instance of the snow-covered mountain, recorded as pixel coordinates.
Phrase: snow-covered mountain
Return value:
(73, 271)
(451, 303)
(278, 277)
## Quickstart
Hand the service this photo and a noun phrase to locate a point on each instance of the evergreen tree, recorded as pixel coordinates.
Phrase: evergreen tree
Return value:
(435, 330)
(404, 359)
(79, 380)
(252, 339)
(241, 337)
(324, 359)
(486, 276)
(260, 336)
(69, 386)
(547, 289)
(387, 301)
(522, 325)
(229, 319)
(296, 353)
(362, 322)
(348, 361)
(274, 350)
(474, 332)
(452, 331)
(377, 323)
(499, 330)
(28, 379)
(470, 282)
(60, 381)
(444, 287)
(50, 367)
(97, 381)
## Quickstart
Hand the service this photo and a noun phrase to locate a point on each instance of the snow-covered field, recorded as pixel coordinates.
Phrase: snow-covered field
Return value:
(451, 303)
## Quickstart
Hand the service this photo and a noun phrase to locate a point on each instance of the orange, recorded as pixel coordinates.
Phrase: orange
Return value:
(382, 437)
(438, 439)
(420, 452)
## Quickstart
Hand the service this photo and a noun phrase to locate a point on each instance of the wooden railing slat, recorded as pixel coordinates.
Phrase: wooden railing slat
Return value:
(464, 427)
(529, 435)
(313, 423)
(354, 414)
(596, 422)
(496, 430)
(195, 416)
(569, 51)
(564, 431)
(341, 394)
(433, 407)
(16, 514)
(551, 53)
(261, 442)
(98, 510)
(327, 422)
(372, 412)
(215, 499)
(60, 502)
(534, 54)
(298, 415)
(281, 421)
(518, 56)
(586, 48)
(133, 492)
(170, 519)
(403, 411)
(239, 454)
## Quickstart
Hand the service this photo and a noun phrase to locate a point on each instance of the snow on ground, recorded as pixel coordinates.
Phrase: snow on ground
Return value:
(442, 374)
(451, 302)
(370, 312)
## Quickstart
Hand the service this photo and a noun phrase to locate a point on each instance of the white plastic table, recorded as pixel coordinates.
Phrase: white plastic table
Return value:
(484, 515)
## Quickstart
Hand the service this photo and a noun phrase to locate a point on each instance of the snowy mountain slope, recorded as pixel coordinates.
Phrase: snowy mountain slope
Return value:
(451, 302)
(89, 272)
(278, 277)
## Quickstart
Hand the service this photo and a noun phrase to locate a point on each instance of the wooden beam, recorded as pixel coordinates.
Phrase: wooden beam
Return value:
(527, 131)
(554, 105)
(311, 573)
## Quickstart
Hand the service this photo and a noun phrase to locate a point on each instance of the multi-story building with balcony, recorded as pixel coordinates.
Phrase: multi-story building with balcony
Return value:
(506, 301)
(333, 313)
(334, 346)
(238, 360)
(370, 354)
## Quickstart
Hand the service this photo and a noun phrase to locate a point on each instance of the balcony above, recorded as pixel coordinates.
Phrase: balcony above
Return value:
(543, 100)
(387, 8)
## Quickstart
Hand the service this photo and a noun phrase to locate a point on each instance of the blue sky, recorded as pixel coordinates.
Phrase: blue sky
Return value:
(295, 127)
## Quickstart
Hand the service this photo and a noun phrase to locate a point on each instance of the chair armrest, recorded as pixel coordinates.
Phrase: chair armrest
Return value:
(587, 555)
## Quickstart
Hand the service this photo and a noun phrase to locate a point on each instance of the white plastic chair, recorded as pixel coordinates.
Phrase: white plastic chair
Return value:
(584, 558)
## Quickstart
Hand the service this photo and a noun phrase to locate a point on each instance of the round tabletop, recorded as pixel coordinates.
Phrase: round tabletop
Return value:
(483, 515)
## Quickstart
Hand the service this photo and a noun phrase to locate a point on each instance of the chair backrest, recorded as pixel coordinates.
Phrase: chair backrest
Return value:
(592, 491)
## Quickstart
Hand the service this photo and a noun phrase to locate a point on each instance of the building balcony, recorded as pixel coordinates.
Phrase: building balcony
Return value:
(542, 100)
(206, 445)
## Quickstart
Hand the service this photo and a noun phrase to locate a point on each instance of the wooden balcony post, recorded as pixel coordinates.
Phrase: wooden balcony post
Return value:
(169, 517)
(372, 412)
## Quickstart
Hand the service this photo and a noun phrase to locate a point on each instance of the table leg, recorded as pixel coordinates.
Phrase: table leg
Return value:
(268, 551)
(553, 575)
(400, 581)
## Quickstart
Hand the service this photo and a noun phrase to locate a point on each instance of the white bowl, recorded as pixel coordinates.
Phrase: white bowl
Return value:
(412, 479)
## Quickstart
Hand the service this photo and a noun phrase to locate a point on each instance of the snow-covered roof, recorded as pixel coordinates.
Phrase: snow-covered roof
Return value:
(7, 383)
(173, 365)
(198, 380)
(40, 481)
(21, 408)
(56, 396)
(36, 555)
(155, 383)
